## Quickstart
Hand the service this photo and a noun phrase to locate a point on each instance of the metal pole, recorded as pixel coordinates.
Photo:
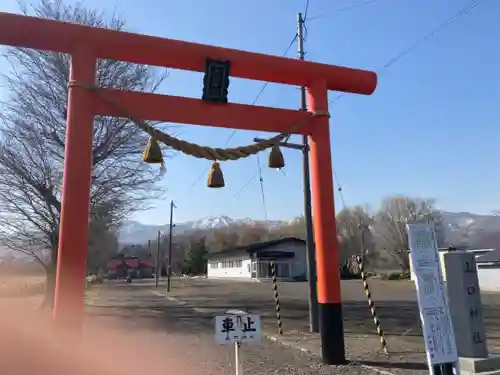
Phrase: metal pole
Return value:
(311, 256)
(169, 269)
(157, 275)
(237, 358)
(158, 259)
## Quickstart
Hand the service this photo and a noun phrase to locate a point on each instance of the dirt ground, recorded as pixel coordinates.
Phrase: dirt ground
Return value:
(395, 303)
(174, 331)
(130, 330)
(189, 333)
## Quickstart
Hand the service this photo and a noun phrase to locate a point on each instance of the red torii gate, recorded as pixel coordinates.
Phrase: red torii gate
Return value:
(87, 44)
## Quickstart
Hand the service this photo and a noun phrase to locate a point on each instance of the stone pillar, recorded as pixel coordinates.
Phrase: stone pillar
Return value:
(466, 309)
(465, 304)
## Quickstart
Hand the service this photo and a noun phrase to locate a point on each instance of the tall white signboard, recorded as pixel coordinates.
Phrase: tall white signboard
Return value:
(431, 294)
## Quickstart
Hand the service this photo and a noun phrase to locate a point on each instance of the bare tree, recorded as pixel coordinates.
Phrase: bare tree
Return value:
(251, 234)
(221, 239)
(103, 243)
(294, 228)
(352, 225)
(33, 129)
(390, 224)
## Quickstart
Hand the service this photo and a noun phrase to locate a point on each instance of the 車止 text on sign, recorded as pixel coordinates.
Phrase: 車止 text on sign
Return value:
(237, 328)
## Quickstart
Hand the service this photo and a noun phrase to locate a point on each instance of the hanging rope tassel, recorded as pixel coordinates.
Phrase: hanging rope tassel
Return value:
(276, 159)
(276, 299)
(152, 153)
(371, 304)
(215, 176)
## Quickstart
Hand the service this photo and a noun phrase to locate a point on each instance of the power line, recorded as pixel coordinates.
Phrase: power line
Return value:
(259, 168)
(348, 7)
(261, 91)
(304, 25)
(245, 185)
(407, 51)
(394, 60)
(425, 38)
(262, 188)
(306, 10)
(339, 187)
(391, 62)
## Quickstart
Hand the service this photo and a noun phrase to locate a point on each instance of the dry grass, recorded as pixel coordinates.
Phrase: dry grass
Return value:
(21, 286)
(20, 279)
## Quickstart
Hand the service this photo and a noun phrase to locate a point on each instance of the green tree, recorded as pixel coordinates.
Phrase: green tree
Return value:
(196, 260)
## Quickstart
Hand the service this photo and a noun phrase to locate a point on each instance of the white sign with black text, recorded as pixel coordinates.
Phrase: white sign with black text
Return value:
(237, 328)
(431, 294)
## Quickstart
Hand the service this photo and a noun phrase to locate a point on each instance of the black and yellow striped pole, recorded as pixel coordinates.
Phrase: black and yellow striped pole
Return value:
(276, 298)
(371, 304)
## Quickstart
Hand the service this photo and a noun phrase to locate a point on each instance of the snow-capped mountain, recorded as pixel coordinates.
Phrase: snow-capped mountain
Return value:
(472, 229)
(135, 232)
(213, 222)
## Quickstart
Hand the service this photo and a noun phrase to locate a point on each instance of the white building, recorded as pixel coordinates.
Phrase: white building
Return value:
(254, 261)
(488, 271)
(477, 252)
(488, 268)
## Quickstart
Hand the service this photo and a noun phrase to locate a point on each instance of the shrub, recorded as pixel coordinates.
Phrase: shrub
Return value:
(403, 275)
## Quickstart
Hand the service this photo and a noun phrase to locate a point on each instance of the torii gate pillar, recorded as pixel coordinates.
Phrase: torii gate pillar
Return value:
(328, 286)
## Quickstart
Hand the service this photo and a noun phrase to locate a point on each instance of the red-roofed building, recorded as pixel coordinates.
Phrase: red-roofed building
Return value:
(119, 266)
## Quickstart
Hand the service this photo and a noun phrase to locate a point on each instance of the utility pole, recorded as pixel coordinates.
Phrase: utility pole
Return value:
(304, 147)
(169, 269)
(158, 258)
(311, 255)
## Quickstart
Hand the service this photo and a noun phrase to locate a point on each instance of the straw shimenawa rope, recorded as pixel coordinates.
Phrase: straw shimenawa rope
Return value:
(203, 152)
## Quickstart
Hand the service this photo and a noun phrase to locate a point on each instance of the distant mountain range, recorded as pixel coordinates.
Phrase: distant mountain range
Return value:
(460, 228)
(464, 228)
(478, 231)
(133, 232)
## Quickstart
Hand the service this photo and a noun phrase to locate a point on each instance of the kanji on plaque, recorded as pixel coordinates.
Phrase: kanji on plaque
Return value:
(237, 328)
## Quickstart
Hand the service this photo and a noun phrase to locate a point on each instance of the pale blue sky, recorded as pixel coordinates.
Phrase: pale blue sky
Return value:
(431, 129)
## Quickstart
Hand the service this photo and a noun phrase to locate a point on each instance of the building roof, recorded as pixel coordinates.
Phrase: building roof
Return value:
(492, 256)
(130, 262)
(147, 263)
(253, 248)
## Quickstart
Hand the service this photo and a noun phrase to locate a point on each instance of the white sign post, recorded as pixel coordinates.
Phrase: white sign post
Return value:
(235, 328)
(437, 326)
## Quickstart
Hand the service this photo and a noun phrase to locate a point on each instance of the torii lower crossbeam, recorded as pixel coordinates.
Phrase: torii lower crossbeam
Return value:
(87, 44)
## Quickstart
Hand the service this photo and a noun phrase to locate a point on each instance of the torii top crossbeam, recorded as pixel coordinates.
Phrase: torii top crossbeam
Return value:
(31, 32)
